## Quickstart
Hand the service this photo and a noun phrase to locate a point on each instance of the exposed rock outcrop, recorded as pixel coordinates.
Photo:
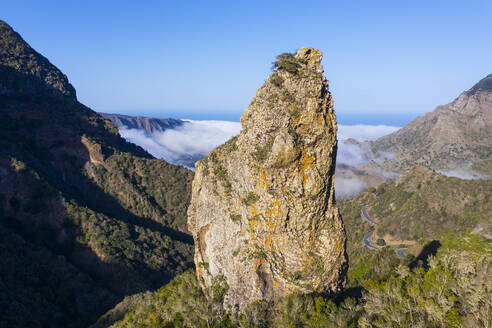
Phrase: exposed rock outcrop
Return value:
(263, 212)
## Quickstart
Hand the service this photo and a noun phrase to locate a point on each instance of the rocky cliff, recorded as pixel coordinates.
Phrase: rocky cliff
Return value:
(263, 213)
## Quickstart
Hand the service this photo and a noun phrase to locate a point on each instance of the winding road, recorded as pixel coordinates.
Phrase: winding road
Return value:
(366, 241)
(402, 252)
(366, 217)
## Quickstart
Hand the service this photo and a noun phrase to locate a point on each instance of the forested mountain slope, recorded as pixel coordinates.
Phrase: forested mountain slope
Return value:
(86, 217)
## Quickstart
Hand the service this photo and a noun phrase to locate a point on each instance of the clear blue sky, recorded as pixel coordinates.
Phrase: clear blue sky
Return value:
(206, 58)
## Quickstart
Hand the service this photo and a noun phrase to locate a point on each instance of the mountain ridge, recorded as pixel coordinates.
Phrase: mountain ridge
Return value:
(74, 190)
(452, 136)
(454, 139)
(18, 58)
(149, 124)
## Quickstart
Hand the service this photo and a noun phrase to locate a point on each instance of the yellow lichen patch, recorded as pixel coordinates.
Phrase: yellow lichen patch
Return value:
(253, 211)
(276, 203)
(270, 212)
(275, 208)
(316, 283)
(262, 179)
(252, 224)
(330, 116)
(305, 162)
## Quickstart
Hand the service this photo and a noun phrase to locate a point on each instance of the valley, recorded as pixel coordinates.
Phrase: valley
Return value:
(96, 232)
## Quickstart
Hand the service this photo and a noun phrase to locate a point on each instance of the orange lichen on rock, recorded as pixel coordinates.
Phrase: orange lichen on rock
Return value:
(280, 193)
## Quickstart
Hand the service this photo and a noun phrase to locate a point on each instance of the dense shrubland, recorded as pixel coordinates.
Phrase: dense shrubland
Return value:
(73, 188)
(449, 289)
(431, 203)
(444, 283)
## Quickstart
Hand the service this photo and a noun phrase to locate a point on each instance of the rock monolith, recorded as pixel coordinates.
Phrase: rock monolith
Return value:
(263, 214)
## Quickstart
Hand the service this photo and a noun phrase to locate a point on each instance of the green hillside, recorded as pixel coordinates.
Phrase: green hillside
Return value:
(423, 203)
(452, 290)
(87, 218)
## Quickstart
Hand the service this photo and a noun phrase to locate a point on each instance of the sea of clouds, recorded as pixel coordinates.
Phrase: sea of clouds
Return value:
(184, 144)
(193, 140)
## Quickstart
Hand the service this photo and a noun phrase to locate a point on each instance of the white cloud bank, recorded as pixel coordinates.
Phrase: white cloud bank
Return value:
(363, 132)
(465, 174)
(193, 140)
(348, 187)
(186, 143)
(350, 153)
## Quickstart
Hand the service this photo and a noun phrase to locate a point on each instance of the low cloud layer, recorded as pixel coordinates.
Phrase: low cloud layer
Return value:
(348, 187)
(193, 140)
(185, 144)
(363, 132)
(353, 153)
(465, 174)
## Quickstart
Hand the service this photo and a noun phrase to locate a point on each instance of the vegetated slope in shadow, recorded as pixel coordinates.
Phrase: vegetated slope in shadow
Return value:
(72, 187)
(111, 226)
(429, 249)
(42, 289)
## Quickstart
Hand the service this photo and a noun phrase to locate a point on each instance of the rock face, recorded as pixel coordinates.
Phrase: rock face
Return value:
(263, 213)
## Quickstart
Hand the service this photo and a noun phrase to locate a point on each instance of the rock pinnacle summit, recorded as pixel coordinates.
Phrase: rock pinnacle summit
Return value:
(263, 213)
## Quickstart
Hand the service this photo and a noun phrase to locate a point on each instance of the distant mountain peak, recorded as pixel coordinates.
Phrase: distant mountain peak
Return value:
(454, 136)
(148, 124)
(484, 84)
(24, 70)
